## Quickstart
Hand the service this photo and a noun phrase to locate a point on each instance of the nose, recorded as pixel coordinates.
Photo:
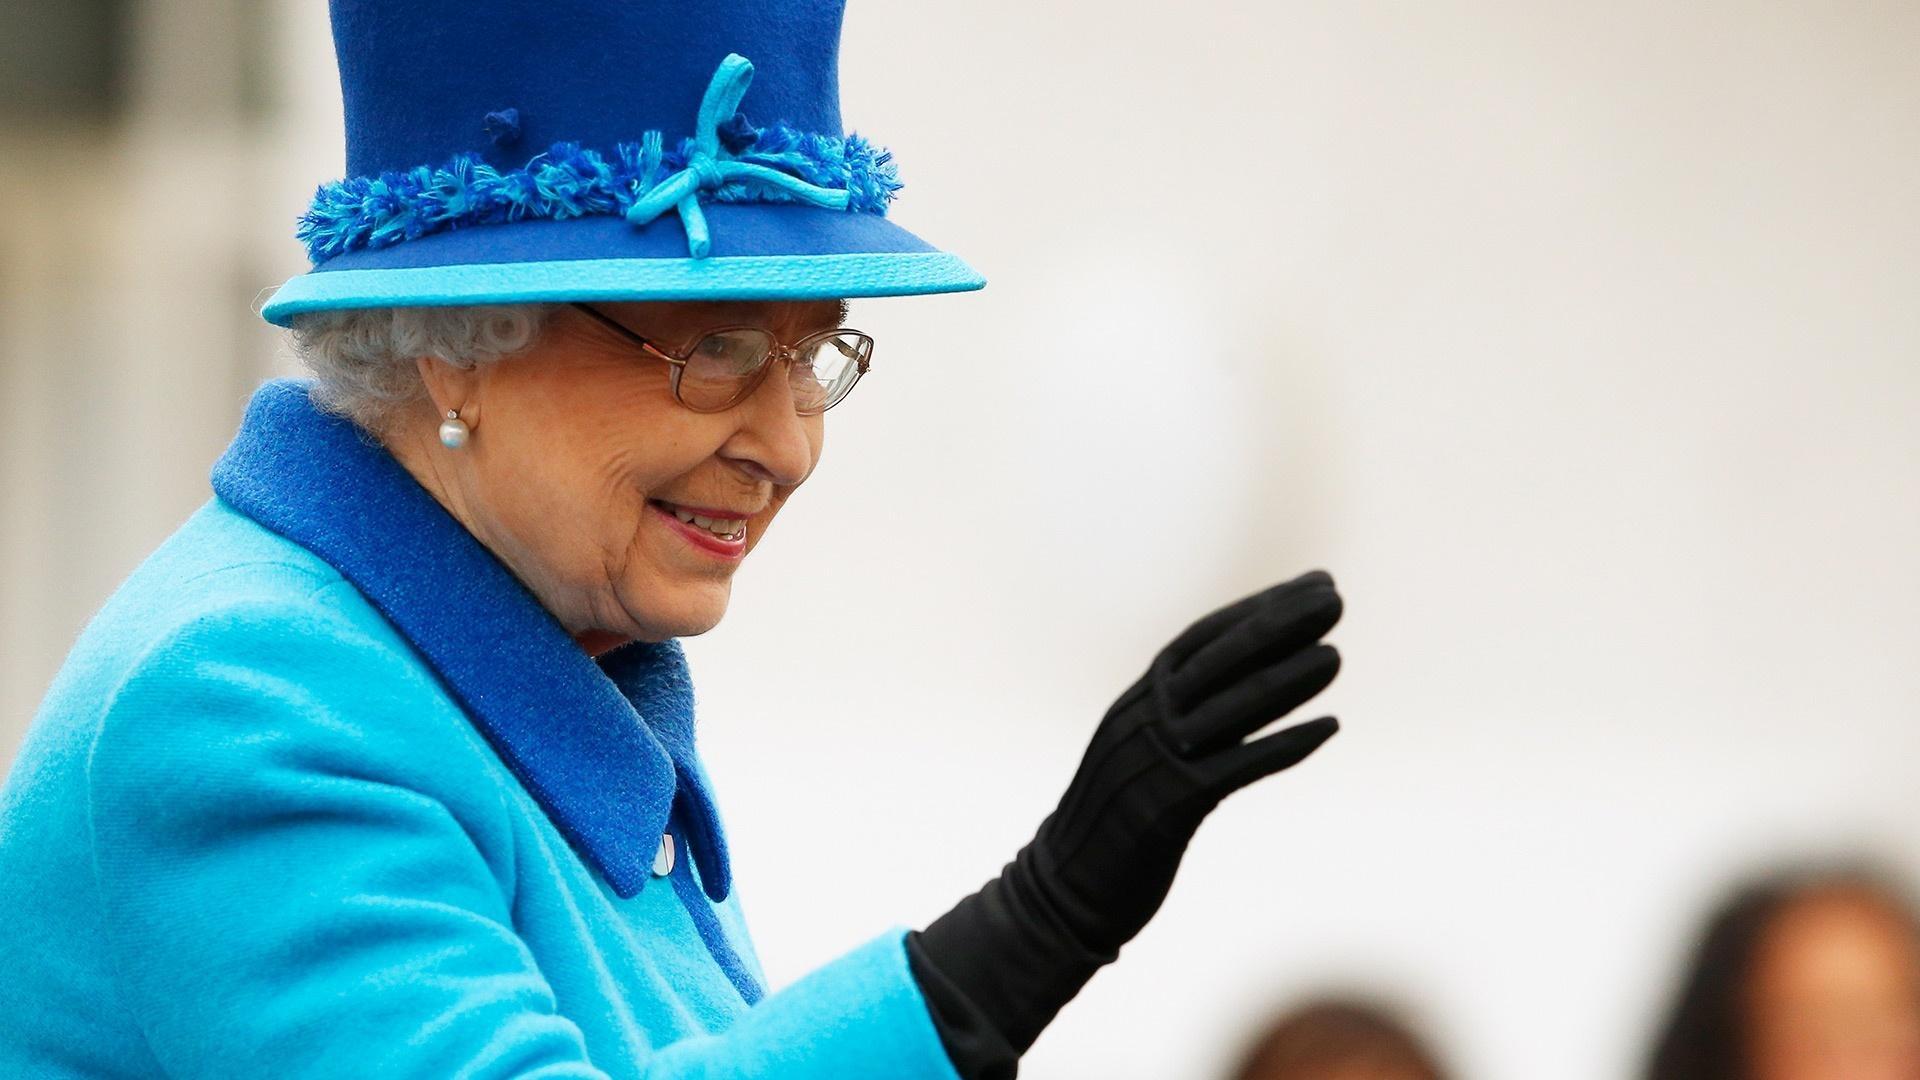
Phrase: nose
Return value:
(774, 443)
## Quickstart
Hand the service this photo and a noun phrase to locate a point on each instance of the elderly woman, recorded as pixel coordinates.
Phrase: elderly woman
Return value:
(383, 765)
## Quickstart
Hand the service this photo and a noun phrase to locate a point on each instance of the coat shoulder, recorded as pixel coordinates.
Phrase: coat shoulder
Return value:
(229, 625)
(221, 580)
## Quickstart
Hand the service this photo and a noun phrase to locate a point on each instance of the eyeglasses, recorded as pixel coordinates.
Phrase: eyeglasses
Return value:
(725, 365)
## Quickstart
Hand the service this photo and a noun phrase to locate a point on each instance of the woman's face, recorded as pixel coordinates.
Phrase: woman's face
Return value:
(1835, 992)
(580, 456)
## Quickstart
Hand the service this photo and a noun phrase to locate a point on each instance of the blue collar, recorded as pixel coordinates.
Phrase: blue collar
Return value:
(606, 745)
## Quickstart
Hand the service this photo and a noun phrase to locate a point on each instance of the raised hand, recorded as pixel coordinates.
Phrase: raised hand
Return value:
(1165, 754)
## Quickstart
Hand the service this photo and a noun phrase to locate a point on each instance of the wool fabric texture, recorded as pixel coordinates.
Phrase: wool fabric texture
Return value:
(274, 818)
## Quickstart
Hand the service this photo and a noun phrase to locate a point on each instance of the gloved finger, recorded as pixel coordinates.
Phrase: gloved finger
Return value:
(1207, 629)
(1239, 766)
(1240, 708)
(1284, 624)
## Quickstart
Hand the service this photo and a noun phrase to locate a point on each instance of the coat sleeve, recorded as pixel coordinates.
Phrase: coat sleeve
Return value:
(859, 1016)
(290, 886)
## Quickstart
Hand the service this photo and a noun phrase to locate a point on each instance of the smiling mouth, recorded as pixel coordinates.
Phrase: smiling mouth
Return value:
(732, 529)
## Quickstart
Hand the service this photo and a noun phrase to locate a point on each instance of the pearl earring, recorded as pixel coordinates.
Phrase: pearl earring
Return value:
(454, 431)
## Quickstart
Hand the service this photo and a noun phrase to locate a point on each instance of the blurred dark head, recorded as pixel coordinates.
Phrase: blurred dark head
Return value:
(1811, 974)
(1337, 1039)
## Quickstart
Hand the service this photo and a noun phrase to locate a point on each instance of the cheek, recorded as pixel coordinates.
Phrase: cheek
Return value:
(609, 442)
(567, 521)
(584, 500)
(618, 490)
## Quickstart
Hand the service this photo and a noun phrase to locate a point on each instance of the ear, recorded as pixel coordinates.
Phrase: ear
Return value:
(451, 386)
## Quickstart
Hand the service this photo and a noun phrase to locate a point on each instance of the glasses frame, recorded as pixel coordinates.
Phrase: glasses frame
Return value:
(779, 351)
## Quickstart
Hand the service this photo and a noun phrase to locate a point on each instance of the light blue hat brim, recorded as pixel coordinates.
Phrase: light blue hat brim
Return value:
(746, 277)
(762, 251)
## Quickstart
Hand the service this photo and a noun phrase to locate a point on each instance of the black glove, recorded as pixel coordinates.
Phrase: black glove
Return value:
(1002, 963)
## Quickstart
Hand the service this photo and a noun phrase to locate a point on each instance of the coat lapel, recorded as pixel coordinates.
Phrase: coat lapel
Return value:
(605, 747)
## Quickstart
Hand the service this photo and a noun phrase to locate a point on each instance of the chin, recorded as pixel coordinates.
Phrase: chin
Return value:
(693, 611)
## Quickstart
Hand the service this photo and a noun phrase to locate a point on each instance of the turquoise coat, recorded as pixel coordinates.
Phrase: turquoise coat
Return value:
(321, 791)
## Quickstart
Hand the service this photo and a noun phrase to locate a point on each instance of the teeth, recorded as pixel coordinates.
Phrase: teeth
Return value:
(730, 528)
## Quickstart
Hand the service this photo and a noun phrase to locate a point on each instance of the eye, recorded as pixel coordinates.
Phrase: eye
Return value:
(735, 352)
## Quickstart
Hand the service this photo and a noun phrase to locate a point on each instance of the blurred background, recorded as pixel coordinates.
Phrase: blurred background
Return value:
(1579, 341)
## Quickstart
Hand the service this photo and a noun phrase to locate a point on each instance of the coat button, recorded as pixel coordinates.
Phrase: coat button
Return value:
(663, 857)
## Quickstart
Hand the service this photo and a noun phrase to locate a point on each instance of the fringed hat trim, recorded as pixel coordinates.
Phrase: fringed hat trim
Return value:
(727, 159)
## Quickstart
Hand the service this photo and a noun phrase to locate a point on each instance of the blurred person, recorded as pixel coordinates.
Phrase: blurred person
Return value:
(1801, 975)
(384, 763)
(1338, 1038)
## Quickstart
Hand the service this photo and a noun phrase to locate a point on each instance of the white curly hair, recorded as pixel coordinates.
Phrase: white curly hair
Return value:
(362, 359)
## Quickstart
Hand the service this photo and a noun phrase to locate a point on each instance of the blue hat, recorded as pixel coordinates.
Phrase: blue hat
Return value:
(502, 151)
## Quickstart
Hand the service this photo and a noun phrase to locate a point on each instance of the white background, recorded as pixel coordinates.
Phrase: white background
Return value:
(1578, 341)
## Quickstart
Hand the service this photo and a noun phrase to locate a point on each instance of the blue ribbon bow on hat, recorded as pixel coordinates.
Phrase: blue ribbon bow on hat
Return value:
(712, 164)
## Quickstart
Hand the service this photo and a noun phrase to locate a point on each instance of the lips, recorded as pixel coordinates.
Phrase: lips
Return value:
(711, 529)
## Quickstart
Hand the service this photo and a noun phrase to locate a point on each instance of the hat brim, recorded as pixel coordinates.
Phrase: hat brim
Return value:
(760, 251)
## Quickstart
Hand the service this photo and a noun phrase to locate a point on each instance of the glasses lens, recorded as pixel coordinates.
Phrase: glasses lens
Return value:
(825, 368)
(721, 365)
